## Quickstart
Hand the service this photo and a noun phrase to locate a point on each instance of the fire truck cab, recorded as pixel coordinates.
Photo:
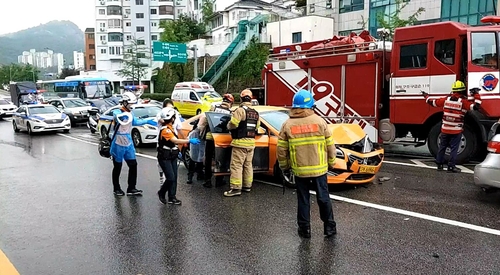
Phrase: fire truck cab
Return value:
(379, 85)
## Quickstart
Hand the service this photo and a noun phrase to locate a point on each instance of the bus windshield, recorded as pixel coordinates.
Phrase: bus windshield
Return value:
(97, 89)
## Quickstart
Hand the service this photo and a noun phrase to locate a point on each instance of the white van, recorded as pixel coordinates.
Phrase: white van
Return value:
(193, 98)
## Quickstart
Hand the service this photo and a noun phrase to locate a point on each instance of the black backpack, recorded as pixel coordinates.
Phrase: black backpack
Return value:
(104, 147)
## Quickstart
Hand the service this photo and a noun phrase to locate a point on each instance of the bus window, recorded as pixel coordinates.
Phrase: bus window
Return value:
(96, 89)
(484, 49)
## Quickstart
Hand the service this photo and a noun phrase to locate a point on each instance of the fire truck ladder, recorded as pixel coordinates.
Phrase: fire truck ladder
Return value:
(246, 31)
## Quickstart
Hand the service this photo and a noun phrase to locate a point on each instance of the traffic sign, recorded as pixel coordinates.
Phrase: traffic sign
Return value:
(169, 52)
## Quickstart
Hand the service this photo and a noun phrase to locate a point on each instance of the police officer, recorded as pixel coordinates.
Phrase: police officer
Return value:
(225, 108)
(455, 106)
(122, 147)
(306, 146)
(243, 126)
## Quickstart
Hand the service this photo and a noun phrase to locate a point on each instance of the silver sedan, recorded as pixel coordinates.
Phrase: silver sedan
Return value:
(487, 173)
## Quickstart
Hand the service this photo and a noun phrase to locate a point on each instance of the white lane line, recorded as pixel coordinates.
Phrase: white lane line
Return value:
(418, 162)
(416, 215)
(465, 169)
(372, 205)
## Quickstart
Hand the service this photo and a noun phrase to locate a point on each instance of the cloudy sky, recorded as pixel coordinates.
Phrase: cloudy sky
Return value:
(19, 15)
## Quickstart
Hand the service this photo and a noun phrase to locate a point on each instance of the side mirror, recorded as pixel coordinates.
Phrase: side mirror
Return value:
(261, 131)
(60, 107)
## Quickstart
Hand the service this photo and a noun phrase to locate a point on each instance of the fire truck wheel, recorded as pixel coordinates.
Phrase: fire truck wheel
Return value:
(468, 144)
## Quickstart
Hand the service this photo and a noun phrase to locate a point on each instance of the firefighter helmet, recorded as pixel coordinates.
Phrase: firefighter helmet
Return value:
(246, 95)
(303, 99)
(228, 98)
(458, 87)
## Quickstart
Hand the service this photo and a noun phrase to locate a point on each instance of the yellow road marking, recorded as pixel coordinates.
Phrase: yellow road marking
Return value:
(6, 267)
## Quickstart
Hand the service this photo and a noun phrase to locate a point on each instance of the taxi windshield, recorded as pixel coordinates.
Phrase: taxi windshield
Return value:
(37, 110)
(210, 94)
(275, 118)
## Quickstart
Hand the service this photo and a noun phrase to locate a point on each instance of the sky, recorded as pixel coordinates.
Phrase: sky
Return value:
(19, 15)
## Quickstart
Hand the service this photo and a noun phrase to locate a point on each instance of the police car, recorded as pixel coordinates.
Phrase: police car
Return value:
(40, 118)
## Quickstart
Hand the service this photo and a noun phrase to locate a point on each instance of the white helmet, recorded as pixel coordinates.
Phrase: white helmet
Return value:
(167, 113)
(129, 97)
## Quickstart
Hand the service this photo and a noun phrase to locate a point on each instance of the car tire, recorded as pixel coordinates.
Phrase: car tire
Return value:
(279, 176)
(103, 132)
(92, 131)
(14, 126)
(198, 112)
(28, 126)
(136, 138)
(66, 131)
(468, 137)
(186, 156)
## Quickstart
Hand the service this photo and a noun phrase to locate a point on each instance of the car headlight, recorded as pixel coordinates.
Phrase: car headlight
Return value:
(35, 120)
(149, 127)
(66, 118)
(339, 153)
(75, 113)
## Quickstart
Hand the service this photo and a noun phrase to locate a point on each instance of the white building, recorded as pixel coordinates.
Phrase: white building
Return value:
(42, 59)
(299, 30)
(118, 23)
(79, 60)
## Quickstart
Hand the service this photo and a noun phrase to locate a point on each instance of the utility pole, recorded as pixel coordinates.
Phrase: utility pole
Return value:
(195, 65)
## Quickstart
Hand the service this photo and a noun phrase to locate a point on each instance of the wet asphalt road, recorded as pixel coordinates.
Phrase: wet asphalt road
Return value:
(58, 216)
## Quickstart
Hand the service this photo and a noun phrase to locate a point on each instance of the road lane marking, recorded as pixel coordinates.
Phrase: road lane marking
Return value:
(465, 169)
(417, 162)
(373, 205)
(6, 267)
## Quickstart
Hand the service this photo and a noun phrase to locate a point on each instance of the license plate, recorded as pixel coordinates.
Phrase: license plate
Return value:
(366, 169)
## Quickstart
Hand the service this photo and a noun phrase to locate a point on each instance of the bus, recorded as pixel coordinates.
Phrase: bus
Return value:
(78, 86)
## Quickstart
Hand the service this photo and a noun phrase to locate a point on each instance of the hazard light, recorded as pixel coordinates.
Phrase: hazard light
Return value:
(491, 19)
(195, 86)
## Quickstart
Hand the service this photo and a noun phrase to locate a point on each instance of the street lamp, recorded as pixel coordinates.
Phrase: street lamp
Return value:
(194, 48)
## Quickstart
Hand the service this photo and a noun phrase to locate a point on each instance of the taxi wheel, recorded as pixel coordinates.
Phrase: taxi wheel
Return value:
(186, 157)
(14, 126)
(198, 112)
(136, 138)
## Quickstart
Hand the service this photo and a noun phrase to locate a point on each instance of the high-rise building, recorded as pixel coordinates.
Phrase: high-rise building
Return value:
(79, 60)
(42, 59)
(119, 23)
(90, 58)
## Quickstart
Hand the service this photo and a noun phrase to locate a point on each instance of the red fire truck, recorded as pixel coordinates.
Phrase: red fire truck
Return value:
(379, 84)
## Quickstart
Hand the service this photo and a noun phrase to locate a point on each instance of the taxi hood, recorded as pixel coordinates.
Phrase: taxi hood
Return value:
(346, 134)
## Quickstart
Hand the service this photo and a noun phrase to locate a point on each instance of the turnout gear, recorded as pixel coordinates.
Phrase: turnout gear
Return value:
(305, 144)
(243, 125)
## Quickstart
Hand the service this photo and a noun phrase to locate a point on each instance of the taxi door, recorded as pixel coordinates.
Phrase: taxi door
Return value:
(222, 139)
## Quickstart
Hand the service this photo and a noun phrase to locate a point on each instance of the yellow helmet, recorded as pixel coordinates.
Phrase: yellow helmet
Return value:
(458, 86)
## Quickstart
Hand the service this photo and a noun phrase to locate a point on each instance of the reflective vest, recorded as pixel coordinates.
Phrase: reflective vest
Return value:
(247, 127)
(453, 115)
(220, 109)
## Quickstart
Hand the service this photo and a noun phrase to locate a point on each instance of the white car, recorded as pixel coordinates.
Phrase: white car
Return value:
(76, 108)
(7, 108)
(140, 134)
(40, 118)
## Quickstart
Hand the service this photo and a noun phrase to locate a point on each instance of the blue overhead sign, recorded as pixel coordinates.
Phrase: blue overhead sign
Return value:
(169, 52)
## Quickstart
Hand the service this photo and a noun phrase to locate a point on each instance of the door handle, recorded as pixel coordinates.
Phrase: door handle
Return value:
(400, 91)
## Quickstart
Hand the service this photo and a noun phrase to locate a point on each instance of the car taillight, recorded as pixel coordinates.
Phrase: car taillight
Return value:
(494, 147)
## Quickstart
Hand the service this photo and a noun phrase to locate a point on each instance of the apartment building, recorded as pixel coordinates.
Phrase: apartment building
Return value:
(42, 59)
(90, 57)
(121, 23)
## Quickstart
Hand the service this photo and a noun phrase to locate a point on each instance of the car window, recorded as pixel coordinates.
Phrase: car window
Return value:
(4, 102)
(110, 111)
(37, 110)
(192, 96)
(218, 122)
(209, 94)
(275, 118)
(146, 111)
(72, 103)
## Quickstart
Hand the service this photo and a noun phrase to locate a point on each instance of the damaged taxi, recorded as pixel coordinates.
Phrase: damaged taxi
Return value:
(358, 159)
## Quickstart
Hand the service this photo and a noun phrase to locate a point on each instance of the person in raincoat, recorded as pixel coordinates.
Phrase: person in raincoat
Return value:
(197, 154)
(122, 147)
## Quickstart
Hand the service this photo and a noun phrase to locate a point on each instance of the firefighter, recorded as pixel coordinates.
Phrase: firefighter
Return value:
(225, 108)
(455, 106)
(243, 126)
(122, 147)
(306, 146)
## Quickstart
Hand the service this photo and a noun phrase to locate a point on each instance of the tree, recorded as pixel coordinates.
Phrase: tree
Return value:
(207, 10)
(394, 20)
(18, 72)
(67, 72)
(363, 22)
(133, 65)
(182, 30)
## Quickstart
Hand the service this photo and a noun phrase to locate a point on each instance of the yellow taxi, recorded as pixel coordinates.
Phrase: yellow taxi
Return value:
(358, 159)
(193, 98)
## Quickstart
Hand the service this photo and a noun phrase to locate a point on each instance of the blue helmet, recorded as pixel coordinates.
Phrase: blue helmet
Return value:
(303, 99)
